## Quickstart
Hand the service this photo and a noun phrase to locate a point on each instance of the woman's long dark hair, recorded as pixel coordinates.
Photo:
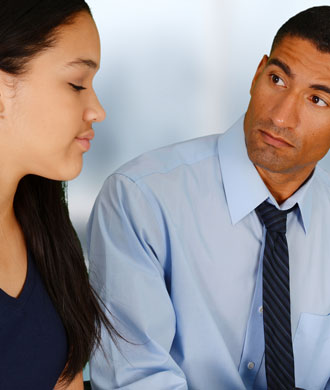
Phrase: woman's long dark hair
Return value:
(26, 28)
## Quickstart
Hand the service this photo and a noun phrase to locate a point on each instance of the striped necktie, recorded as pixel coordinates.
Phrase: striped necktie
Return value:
(279, 360)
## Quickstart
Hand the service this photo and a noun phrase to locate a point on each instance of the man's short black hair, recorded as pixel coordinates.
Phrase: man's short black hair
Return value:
(312, 24)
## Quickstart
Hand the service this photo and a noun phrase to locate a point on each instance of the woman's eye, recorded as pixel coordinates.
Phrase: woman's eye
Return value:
(77, 87)
(318, 101)
(277, 80)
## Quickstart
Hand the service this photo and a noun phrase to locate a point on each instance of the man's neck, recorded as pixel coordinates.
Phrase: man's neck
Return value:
(283, 185)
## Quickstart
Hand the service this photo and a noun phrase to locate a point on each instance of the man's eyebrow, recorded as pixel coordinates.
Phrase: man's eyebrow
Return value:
(320, 87)
(286, 68)
(83, 62)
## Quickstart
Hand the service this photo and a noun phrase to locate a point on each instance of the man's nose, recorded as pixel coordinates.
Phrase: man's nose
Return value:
(285, 111)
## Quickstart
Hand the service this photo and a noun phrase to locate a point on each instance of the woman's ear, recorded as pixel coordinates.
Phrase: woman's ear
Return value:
(8, 88)
(2, 108)
(2, 91)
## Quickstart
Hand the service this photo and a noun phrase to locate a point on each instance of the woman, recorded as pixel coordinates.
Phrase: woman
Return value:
(50, 318)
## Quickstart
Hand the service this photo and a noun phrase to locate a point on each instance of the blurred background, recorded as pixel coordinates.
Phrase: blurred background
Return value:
(171, 70)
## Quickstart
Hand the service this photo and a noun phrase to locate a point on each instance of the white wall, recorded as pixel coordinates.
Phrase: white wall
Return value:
(171, 70)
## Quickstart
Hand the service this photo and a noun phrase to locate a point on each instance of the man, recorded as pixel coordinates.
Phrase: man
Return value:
(213, 255)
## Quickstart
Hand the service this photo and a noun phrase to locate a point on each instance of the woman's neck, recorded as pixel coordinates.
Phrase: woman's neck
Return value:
(8, 221)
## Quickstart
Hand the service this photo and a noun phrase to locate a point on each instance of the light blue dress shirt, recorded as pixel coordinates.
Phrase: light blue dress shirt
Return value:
(175, 251)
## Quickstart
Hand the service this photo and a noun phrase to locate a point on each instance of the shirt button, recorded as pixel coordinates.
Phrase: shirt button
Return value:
(261, 309)
(250, 366)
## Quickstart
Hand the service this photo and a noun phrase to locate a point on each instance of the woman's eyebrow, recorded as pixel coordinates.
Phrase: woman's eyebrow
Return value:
(83, 62)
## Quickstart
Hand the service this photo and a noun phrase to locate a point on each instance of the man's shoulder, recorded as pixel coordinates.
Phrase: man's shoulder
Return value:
(168, 158)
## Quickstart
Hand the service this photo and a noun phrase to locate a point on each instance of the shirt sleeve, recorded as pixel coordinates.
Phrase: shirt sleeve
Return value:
(127, 253)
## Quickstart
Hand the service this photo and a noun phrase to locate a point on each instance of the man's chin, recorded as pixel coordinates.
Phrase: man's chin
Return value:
(273, 165)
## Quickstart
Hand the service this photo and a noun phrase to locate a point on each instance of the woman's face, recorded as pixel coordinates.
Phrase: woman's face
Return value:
(46, 115)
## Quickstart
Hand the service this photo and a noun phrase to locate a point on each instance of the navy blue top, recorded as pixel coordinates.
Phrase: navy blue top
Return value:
(33, 342)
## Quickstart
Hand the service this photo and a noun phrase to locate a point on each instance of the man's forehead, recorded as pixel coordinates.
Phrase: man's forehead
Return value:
(293, 54)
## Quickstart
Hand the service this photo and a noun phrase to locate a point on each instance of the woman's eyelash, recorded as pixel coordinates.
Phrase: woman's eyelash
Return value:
(77, 87)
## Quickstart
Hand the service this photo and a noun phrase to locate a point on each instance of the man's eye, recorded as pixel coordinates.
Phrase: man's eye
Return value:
(318, 101)
(277, 80)
(77, 87)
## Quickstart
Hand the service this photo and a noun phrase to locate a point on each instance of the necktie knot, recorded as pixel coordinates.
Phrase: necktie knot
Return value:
(273, 218)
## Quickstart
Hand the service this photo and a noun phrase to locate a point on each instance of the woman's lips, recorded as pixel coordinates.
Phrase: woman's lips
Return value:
(85, 138)
(274, 141)
(84, 142)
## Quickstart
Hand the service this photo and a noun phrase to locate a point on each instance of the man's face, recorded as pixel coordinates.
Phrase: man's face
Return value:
(287, 124)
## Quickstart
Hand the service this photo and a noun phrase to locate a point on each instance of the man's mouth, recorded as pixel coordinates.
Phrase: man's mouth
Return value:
(273, 140)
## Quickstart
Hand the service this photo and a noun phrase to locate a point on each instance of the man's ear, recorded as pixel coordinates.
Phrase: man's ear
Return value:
(260, 69)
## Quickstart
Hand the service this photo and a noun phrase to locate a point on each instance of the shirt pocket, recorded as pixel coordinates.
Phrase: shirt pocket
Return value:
(311, 347)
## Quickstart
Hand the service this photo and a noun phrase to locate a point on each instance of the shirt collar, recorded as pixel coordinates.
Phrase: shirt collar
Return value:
(243, 186)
